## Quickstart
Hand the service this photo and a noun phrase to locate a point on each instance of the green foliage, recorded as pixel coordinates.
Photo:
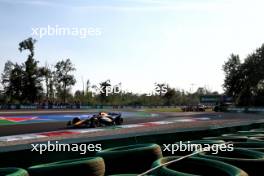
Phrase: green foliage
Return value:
(23, 82)
(28, 44)
(64, 78)
(244, 81)
(30, 83)
(13, 82)
(46, 73)
(103, 86)
(31, 77)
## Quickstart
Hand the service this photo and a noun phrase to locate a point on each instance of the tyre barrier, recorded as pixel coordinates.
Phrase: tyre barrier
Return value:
(256, 138)
(250, 161)
(194, 166)
(204, 141)
(246, 133)
(13, 171)
(229, 138)
(258, 146)
(128, 175)
(133, 158)
(124, 175)
(250, 132)
(248, 155)
(258, 129)
(82, 167)
(179, 152)
(172, 152)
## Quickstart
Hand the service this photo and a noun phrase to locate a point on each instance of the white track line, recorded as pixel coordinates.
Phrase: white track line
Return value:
(20, 137)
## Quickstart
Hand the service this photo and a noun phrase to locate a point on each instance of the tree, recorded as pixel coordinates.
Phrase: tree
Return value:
(88, 85)
(253, 71)
(170, 96)
(5, 79)
(49, 83)
(233, 82)
(243, 81)
(64, 78)
(16, 83)
(202, 91)
(103, 87)
(32, 87)
(28, 44)
(12, 82)
(78, 95)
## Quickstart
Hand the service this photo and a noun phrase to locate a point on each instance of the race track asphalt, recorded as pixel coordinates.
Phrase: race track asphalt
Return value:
(15, 129)
(6, 130)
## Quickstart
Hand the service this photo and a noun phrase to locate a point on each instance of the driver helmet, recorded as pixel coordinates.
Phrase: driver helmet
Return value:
(102, 113)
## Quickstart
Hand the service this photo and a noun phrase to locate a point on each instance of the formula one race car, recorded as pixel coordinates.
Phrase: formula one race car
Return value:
(96, 120)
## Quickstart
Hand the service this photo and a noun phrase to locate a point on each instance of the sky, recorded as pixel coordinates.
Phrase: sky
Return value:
(180, 42)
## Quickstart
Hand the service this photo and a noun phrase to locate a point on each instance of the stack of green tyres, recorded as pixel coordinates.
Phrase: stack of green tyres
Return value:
(246, 159)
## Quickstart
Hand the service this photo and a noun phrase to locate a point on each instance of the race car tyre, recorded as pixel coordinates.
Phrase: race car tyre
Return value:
(94, 123)
(250, 161)
(194, 166)
(13, 171)
(82, 167)
(75, 120)
(258, 146)
(133, 158)
(119, 120)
